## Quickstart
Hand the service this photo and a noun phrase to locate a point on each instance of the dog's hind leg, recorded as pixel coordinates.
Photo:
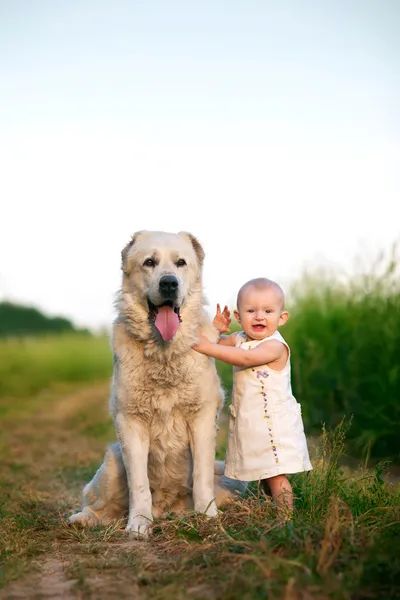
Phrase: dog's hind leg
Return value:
(105, 497)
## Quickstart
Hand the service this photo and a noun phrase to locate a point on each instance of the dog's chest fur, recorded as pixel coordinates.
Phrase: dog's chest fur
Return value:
(155, 384)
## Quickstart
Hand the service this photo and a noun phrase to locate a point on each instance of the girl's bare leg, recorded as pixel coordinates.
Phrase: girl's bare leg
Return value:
(281, 491)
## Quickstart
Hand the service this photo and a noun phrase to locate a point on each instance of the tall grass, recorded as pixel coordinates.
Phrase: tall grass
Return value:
(343, 540)
(29, 365)
(345, 342)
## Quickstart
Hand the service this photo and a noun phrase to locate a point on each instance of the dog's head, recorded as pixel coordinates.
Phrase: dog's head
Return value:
(161, 272)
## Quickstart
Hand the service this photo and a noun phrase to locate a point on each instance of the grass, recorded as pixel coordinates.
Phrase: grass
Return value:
(343, 541)
(29, 365)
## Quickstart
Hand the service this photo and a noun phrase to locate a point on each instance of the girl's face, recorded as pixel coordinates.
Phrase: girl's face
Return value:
(260, 312)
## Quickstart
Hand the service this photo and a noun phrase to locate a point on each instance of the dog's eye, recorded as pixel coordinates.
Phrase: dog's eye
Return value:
(181, 262)
(149, 262)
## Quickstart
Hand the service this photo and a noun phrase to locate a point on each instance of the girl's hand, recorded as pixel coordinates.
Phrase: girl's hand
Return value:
(202, 345)
(222, 320)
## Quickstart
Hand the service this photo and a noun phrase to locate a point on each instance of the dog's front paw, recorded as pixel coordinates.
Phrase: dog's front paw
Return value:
(212, 510)
(207, 508)
(139, 527)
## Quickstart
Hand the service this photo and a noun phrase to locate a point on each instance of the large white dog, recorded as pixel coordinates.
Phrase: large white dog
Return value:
(165, 397)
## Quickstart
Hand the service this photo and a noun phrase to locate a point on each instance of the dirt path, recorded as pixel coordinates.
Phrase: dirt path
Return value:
(48, 451)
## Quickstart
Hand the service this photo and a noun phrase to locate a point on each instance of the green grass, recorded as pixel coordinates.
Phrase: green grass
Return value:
(29, 365)
(345, 340)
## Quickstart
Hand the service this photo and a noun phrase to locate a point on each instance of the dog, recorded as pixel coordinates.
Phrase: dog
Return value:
(165, 397)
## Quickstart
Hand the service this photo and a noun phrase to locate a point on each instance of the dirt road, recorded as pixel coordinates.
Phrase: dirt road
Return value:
(50, 447)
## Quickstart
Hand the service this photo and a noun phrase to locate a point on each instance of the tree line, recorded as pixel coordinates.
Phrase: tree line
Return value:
(19, 320)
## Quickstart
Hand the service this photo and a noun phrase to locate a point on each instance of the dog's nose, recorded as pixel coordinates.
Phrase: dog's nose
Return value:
(168, 286)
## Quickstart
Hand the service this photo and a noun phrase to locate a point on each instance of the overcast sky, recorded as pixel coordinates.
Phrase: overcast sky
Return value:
(270, 130)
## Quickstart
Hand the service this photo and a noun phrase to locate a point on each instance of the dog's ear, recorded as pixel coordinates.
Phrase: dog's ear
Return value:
(125, 252)
(198, 248)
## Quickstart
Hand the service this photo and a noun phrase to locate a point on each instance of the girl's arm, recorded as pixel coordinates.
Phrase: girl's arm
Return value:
(263, 354)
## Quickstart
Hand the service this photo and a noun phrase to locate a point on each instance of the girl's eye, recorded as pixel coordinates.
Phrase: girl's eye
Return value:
(250, 310)
(268, 311)
(149, 262)
(181, 262)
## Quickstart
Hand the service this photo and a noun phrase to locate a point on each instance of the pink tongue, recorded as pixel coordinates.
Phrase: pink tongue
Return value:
(167, 322)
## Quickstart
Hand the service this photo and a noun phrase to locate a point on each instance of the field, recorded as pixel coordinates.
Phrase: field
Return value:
(343, 541)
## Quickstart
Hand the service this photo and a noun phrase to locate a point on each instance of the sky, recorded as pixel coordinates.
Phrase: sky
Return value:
(269, 130)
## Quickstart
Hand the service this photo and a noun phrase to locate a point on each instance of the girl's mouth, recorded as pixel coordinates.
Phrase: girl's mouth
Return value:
(259, 327)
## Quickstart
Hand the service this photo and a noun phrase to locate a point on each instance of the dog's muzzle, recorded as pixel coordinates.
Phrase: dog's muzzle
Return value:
(166, 317)
(168, 286)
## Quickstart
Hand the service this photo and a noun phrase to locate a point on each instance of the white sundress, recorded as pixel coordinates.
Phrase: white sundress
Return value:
(266, 434)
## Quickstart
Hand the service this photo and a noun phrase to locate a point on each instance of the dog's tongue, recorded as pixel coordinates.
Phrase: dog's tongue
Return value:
(167, 322)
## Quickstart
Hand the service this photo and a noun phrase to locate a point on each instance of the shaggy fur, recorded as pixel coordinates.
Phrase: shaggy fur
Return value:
(165, 397)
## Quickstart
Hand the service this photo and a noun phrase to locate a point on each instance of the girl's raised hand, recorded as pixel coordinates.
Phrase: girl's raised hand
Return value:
(222, 320)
